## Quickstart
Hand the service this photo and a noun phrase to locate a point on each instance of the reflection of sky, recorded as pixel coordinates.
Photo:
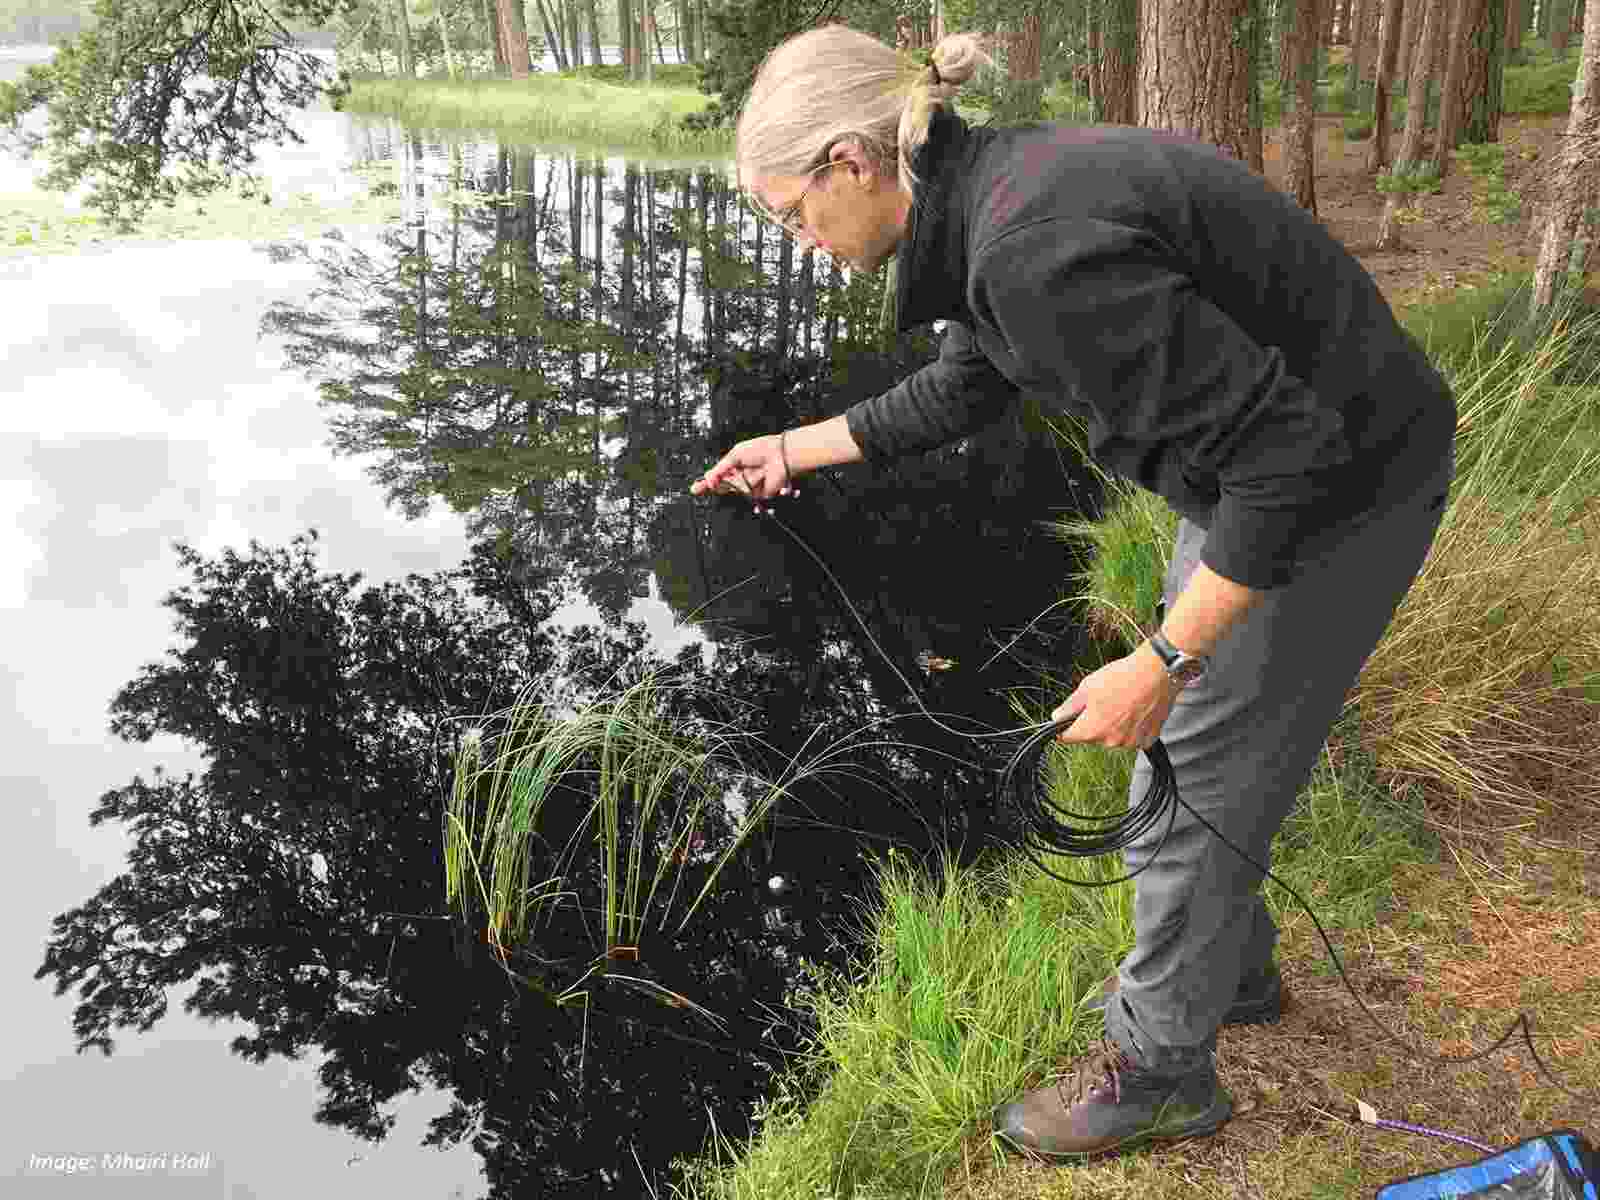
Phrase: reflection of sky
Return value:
(139, 408)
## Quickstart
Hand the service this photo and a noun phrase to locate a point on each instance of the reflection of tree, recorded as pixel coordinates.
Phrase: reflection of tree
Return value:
(577, 352)
(517, 376)
(297, 881)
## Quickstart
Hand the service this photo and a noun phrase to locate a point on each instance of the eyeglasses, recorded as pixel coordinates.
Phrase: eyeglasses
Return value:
(788, 217)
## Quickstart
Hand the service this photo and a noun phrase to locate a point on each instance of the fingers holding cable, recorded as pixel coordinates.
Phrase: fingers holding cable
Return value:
(755, 468)
(1123, 705)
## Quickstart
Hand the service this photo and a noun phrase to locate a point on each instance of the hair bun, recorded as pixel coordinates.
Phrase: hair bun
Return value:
(956, 58)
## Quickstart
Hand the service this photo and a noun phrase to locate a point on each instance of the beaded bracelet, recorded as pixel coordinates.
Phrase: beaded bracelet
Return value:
(788, 477)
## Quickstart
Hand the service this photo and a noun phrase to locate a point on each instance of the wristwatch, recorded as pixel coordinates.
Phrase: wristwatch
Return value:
(1183, 669)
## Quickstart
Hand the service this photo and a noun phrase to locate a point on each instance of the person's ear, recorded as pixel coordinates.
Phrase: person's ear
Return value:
(850, 150)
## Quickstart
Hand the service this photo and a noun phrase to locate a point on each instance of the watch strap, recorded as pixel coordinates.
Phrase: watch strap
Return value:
(1168, 653)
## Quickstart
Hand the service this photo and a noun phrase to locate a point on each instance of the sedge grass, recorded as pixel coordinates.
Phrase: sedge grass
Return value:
(552, 110)
(652, 790)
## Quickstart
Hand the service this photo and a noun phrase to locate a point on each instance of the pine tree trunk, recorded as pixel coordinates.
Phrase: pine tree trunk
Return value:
(1409, 156)
(1027, 48)
(1283, 24)
(1388, 52)
(1451, 98)
(1340, 35)
(408, 65)
(1564, 253)
(1410, 35)
(626, 37)
(1560, 17)
(444, 40)
(1194, 71)
(593, 13)
(1116, 66)
(1300, 131)
(647, 35)
(1482, 92)
(497, 52)
(514, 32)
(1352, 78)
(1516, 18)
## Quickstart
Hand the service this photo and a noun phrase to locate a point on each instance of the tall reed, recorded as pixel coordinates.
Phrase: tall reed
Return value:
(646, 781)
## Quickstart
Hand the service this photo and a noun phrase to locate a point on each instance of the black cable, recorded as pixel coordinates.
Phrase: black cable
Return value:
(1045, 834)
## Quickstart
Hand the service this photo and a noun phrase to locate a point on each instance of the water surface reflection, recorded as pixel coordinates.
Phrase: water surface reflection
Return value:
(555, 346)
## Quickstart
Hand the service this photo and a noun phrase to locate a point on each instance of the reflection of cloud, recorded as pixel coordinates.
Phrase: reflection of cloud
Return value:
(109, 510)
(81, 335)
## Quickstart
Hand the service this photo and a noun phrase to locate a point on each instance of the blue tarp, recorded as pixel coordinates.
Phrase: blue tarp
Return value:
(1560, 1165)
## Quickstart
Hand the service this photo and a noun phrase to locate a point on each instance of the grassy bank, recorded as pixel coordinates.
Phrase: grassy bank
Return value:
(591, 109)
(1463, 762)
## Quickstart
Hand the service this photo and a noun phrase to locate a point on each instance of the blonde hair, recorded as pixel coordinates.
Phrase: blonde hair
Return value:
(835, 82)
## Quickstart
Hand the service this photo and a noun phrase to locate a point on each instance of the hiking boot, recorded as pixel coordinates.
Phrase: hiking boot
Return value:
(1106, 1101)
(1260, 1001)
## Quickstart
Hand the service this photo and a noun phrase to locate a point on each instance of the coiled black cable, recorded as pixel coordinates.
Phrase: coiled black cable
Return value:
(1044, 834)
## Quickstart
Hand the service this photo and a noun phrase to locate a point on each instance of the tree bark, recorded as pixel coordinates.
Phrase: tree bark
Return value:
(1516, 18)
(408, 64)
(1560, 16)
(1564, 253)
(1340, 34)
(1352, 79)
(593, 14)
(1194, 71)
(626, 36)
(1388, 52)
(497, 52)
(1410, 30)
(514, 33)
(1283, 14)
(1027, 48)
(1482, 92)
(648, 32)
(1114, 82)
(1409, 156)
(444, 40)
(1300, 129)
(1451, 94)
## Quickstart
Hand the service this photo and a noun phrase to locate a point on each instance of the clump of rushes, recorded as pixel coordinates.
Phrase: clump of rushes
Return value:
(649, 783)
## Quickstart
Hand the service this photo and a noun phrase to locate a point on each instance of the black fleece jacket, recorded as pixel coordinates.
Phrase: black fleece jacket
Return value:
(1221, 348)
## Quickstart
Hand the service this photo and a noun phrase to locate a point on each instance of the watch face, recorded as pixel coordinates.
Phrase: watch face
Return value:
(1189, 671)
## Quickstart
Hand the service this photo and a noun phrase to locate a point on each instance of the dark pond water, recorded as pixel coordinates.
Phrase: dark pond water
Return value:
(553, 358)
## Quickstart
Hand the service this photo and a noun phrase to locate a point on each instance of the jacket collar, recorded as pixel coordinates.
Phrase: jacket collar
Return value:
(931, 265)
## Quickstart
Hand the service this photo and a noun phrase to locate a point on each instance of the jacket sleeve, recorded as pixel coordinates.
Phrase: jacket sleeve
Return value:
(1097, 313)
(956, 394)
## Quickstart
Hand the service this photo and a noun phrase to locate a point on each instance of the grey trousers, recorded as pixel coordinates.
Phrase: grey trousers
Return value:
(1243, 741)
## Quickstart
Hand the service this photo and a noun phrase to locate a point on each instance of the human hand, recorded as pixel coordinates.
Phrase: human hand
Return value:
(1122, 705)
(753, 468)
